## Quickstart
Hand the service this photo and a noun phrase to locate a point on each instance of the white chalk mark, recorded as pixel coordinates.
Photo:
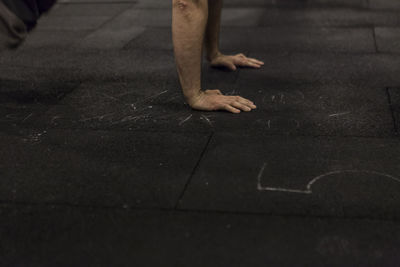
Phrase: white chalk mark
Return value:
(156, 95)
(339, 114)
(173, 98)
(207, 120)
(110, 97)
(269, 124)
(27, 117)
(130, 118)
(261, 188)
(313, 181)
(185, 120)
(55, 118)
(260, 174)
(150, 97)
(133, 118)
(308, 189)
(282, 98)
(273, 98)
(99, 117)
(12, 116)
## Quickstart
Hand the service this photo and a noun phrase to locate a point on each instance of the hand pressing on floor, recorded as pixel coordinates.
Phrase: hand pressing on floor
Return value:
(212, 100)
(232, 62)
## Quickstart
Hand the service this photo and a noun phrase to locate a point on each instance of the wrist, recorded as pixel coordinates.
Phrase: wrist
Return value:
(192, 97)
(213, 55)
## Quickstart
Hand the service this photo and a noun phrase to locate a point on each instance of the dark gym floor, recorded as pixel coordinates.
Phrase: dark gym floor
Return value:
(103, 164)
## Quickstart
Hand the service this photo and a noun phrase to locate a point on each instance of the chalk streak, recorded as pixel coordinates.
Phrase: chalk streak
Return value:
(260, 174)
(313, 181)
(308, 189)
(207, 120)
(99, 117)
(185, 120)
(110, 97)
(55, 118)
(339, 114)
(154, 96)
(27, 117)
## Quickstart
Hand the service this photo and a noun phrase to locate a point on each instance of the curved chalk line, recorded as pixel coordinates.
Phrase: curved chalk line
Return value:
(316, 179)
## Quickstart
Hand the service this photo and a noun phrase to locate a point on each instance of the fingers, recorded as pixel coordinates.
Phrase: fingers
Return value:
(231, 62)
(248, 62)
(225, 63)
(245, 102)
(252, 65)
(236, 104)
(231, 66)
(241, 106)
(215, 100)
(256, 61)
(231, 109)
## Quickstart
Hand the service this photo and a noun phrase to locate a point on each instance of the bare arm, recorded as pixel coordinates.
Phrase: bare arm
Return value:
(214, 56)
(189, 19)
(189, 23)
(213, 28)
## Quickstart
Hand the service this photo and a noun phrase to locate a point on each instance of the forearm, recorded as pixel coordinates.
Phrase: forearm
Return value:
(213, 28)
(188, 27)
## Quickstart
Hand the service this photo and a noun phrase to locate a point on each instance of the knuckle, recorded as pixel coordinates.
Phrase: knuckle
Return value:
(181, 4)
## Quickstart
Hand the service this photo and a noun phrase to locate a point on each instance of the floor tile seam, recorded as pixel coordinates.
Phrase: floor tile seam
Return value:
(375, 40)
(368, 3)
(393, 137)
(97, 2)
(6, 204)
(192, 174)
(112, 52)
(263, 7)
(116, 131)
(392, 110)
(214, 131)
(328, 217)
(110, 19)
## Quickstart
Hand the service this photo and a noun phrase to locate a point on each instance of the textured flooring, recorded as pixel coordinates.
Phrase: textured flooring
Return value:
(103, 164)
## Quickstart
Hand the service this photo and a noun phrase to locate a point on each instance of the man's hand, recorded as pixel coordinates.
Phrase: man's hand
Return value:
(211, 100)
(232, 62)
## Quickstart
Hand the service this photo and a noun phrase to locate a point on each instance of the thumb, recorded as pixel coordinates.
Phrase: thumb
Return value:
(231, 66)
